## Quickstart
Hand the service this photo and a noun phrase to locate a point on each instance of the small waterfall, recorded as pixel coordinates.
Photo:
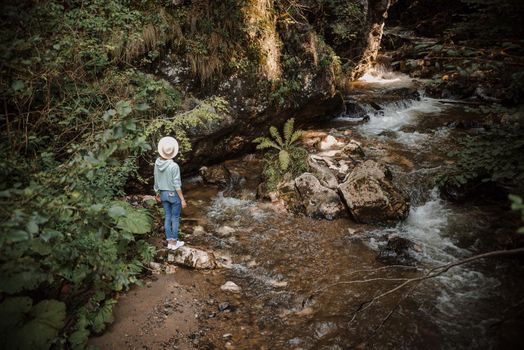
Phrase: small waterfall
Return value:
(381, 75)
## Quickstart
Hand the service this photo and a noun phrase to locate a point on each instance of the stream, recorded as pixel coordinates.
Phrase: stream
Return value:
(306, 283)
(279, 259)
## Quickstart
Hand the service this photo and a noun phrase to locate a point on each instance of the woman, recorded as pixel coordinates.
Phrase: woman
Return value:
(168, 189)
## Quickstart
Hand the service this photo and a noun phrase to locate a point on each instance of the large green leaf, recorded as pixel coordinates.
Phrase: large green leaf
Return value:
(276, 136)
(103, 316)
(25, 327)
(123, 108)
(19, 275)
(264, 142)
(135, 221)
(12, 312)
(296, 135)
(48, 318)
(116, 211)
(288, 130)
(283, 158)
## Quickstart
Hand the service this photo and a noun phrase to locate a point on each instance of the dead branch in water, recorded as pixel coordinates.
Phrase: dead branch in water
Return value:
(432, 273)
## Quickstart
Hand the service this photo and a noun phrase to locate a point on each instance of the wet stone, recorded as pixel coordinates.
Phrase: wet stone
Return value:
(225, 306)
(225, 231)
(230, 286)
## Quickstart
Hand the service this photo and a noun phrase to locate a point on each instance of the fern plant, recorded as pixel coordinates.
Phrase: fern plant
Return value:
(283, 155)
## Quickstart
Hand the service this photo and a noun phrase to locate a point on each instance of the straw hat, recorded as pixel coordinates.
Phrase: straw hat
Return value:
(168, 147)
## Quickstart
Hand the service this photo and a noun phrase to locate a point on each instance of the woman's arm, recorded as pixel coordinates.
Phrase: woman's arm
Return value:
(181, 196)
(177, 180)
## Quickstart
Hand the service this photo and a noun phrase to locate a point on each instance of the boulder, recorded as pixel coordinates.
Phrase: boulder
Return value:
(397, 251)
(330, 142)
(194, 258)
(319, 202)
(323, 173)
(228, 180)
(371, 196)
(215, 175)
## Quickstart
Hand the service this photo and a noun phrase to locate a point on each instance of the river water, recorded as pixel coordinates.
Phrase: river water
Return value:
(306, 283)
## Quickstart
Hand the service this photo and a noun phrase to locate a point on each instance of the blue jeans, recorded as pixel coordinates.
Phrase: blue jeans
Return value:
(172, 208)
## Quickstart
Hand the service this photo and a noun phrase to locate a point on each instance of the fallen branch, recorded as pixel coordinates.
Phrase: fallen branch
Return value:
(432, 273)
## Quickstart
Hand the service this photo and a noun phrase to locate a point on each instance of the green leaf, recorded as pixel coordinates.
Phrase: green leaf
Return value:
(103, 316)
(276, 136)
(116, 211)
(283, 158)
(296, 135)
(12, 312)
(17, 85)
(25, 327)
(123, 108)
(41, 247)
(17, 236)
(288, 130)
(32, 227)
(79, 338)
(19, 275)
(108, 114)
(48, 318)
(267, 143)
(142, 107)
(136, 222)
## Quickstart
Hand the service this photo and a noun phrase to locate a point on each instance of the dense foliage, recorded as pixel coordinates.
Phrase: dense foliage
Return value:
(284, 157)
(76, 104)
(492, 156)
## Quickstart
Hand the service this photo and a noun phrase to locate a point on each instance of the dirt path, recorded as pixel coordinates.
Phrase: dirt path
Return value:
(157, 316)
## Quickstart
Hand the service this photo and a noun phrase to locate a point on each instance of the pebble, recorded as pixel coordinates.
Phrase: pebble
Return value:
(155, 266)
(227, 336)
(198, 230)
(278, 283)
(170, 257)
(170, 269)
(224, 306)
(230, 286)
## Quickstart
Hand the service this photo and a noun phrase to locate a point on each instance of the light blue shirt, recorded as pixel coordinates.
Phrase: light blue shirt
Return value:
(167, 175)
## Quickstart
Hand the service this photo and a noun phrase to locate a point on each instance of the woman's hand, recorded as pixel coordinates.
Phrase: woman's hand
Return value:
(157, 197)
(184, 204)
